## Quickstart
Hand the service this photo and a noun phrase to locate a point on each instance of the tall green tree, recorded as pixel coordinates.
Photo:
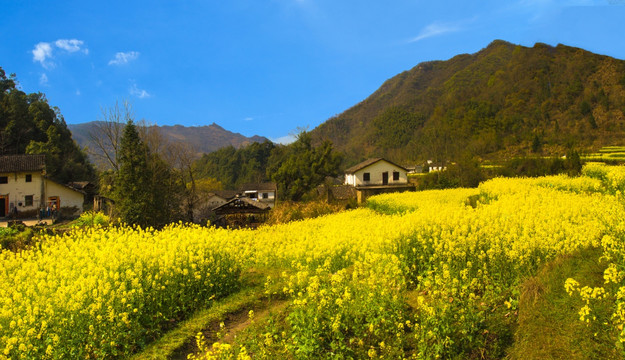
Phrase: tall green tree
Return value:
(300, 167)
(148, 191)
(133, 198)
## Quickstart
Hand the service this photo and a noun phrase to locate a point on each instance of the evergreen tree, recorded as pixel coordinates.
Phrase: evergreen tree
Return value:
(133, 198)
(148, 191)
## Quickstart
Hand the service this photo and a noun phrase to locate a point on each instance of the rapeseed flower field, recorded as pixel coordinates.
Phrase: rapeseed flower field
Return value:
(421, 275)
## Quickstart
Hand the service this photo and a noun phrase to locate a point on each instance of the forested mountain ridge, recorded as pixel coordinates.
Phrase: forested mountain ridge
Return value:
(505, 100)
(203, 139)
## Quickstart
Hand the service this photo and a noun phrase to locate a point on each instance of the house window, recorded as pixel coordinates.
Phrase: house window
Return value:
(4, 179)
(265, 195)
(29, 177)
(395, 175)
(28, 200)
(253, 195)
(366, 177)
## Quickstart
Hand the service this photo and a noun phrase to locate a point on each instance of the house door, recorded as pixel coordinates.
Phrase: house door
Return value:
(4, 202)
(54, 203)
(385, 178)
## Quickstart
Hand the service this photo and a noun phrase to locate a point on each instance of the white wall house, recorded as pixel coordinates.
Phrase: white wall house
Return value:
(435, 166)
(265, 193)
(376, 172)
(25, 188)
(214, 200)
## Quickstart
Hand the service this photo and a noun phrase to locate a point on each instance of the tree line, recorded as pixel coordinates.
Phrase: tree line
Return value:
(296, 168)
(150, 180)
(153, 188)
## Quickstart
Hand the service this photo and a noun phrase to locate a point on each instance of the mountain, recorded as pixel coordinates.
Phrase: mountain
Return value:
(505, 100)
(203, 139)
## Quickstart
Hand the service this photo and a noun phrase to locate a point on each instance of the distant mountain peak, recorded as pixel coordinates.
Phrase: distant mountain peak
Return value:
(204, 139)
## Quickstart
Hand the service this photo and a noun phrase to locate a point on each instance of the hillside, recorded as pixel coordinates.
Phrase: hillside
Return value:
(505, 100)
(203, 139)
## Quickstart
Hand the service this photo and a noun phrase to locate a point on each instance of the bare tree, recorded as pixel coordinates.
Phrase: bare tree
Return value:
(182, 156)
(178, 155)
(107, 133)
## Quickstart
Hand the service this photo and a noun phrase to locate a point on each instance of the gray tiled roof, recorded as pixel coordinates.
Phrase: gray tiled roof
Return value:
(18, 163)
(225, 194)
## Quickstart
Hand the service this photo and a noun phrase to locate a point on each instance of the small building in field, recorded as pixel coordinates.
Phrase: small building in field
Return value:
(207, 201)
(219, 197)
(414, 169)
(435, 166)
(376, 172)
(241, 212)
(26, 191)
(376, 176)
(265, 193)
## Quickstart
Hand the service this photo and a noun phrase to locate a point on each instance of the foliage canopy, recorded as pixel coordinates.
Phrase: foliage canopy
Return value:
(28, 125)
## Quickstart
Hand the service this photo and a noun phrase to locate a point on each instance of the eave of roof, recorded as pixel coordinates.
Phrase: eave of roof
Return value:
(67, 186)
(256, 204)
(370, 162)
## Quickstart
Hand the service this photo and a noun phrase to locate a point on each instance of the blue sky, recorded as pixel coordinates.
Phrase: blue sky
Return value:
(264, 67)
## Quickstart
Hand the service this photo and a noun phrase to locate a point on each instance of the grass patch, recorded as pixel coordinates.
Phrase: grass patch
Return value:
(15, 238)
(548, 323)
(91, 218)
(177, 343)
(288, 211)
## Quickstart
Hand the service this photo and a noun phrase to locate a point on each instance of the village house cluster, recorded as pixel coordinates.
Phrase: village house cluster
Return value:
(26, 191)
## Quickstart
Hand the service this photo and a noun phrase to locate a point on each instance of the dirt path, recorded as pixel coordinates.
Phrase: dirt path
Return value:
(548, 323)
(234, 323)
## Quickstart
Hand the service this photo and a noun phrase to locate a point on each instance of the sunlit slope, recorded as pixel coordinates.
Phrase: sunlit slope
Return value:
(501, 101)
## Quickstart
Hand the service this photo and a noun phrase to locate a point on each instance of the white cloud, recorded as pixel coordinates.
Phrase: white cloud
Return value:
(42, 52)
(249, 118)
(45, 50)
(122, 58)
(435, 29)
(70, 45)
(140, 93)
(43, 79)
